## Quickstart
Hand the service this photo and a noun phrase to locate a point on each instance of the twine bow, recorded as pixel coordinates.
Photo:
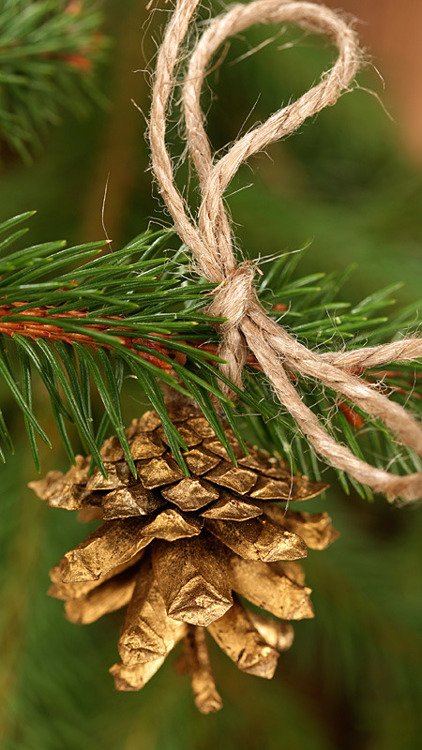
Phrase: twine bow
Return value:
(209, 239)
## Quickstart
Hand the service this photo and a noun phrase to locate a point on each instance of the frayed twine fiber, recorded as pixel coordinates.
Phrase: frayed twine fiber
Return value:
(248, 327)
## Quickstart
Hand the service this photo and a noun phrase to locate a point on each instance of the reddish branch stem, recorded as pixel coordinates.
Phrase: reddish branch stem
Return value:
(52, 332)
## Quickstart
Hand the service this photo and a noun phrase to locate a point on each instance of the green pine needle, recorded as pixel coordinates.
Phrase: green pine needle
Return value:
(48, 55)
(84, 319)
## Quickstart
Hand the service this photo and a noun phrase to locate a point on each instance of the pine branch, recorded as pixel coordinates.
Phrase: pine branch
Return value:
(94, 324)
(82, 319)
(48, 52)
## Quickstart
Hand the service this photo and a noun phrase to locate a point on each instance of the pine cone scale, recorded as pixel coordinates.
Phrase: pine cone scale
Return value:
(114, 544)
(148, 632)
(201, 592)
(197, 663)
(257, 539)
(269, 590)
(108, 597)
(191, 494)
(238, 638)
(232, 508)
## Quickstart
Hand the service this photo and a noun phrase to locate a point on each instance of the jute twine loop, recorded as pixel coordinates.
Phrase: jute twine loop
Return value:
(248, 327)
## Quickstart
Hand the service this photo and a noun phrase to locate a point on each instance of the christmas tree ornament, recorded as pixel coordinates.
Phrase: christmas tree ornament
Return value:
(181, 553)
(202, 542)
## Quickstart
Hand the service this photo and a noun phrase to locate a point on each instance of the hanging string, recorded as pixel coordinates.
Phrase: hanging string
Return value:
(209, 238)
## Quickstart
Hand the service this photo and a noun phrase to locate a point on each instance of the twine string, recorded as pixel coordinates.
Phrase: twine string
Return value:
(209, 239)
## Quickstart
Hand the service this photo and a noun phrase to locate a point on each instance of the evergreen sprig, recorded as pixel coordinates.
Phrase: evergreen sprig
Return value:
(89, 326)
(83, 319)
(48, 50)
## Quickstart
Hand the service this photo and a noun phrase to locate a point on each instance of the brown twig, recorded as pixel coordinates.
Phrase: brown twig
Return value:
(54, 332)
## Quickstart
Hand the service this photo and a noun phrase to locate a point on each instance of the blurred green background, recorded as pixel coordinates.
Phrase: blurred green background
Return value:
(349, 182)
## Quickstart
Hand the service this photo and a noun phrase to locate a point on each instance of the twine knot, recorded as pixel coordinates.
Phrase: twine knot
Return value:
(247, 327)
(234, 296)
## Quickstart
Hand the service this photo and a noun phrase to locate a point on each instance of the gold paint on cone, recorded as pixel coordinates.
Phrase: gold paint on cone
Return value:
(232, 508)
(258, 539)
(148, 632)
(200, 592)
(191, 494)
(111, 595)
(205, 693)
(114, 543)
(276, 593)
(243, 644)
(171, 524)
(279, 635)
(135, 676)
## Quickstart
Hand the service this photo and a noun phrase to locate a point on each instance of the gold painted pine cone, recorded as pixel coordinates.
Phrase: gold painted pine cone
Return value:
(183, 553)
